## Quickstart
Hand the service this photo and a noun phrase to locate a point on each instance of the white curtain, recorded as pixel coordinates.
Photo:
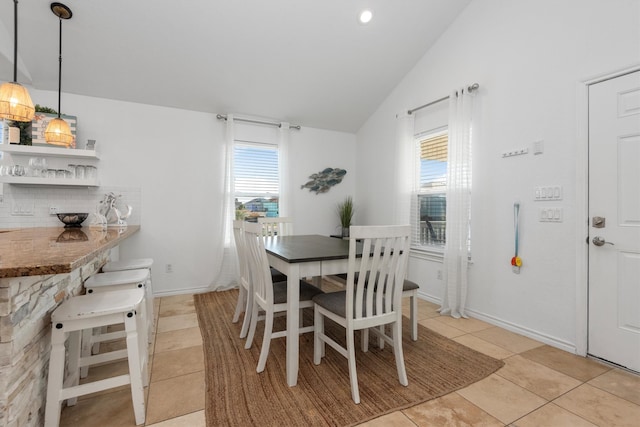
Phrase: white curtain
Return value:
(456, 253)
(284, 203)
(405, 167)
(228, 270)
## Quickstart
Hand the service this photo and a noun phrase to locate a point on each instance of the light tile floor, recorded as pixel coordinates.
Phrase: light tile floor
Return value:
(538, 386)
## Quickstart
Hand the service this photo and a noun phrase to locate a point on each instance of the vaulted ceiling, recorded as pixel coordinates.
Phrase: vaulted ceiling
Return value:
(308, 62)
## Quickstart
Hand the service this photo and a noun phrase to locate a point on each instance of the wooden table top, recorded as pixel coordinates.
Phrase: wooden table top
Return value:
(54, 250)
(307, 248)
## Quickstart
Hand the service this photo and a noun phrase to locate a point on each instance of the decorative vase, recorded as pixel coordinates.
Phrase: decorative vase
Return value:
(345, 231)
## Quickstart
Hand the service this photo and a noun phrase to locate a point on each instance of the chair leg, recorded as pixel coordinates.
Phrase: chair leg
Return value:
(252, 329)
(318, 331)
(247, 314)
(364, 334)
(266, 340)
(240, 305)
(351, 358)
(135, 369)
(414, 317)
(396, 334)
(56, 376)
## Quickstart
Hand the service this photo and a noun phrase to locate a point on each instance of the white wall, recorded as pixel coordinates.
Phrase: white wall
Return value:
(313, 150)
(529, 58)
(171, 160)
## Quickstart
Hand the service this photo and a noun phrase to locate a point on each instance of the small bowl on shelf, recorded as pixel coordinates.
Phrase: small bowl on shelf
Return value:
(72, 220)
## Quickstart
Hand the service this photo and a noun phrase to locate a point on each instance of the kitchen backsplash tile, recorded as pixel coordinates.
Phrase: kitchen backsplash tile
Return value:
(38, 200)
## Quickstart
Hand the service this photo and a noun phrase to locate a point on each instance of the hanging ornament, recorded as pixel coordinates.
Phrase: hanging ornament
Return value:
(516, 261)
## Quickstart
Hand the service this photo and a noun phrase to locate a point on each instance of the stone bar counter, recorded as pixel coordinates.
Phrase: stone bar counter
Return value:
(40, 268)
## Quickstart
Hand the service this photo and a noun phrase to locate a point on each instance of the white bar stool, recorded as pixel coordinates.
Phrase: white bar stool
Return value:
(108, 282)
(94, 311)
(136, 264)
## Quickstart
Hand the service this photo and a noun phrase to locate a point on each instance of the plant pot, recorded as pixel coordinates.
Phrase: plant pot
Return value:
(345, 231)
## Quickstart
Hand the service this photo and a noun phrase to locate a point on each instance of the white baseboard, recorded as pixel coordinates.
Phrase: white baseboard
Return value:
(182, 291)
(529, 333)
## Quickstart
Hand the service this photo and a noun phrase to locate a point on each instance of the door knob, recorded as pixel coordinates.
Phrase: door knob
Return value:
(599, 241)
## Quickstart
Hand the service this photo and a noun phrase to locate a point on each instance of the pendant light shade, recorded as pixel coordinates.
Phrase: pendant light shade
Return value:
(58, 131)
(15, 102)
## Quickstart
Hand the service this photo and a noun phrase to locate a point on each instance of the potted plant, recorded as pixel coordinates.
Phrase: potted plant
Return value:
(345, 213)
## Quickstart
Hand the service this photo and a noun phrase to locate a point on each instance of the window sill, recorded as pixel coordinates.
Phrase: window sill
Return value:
(431, 255)
(427, 254)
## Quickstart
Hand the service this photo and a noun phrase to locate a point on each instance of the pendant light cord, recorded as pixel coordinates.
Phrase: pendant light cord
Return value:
(60, 67)
(15, 41)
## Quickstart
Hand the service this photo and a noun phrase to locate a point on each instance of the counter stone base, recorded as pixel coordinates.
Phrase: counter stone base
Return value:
(26, 304)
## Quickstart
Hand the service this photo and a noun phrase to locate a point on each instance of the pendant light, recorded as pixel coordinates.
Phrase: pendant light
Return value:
(15, 102)
(58, 131)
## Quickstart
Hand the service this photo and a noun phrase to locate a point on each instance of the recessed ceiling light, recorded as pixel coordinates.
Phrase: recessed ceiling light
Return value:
(365, 16)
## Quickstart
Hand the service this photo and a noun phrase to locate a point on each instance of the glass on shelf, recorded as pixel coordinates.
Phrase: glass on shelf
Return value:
(91, 172)
(80, 171)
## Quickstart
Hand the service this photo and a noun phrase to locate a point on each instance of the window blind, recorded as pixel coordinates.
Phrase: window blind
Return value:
(433, 152)
(255, 170)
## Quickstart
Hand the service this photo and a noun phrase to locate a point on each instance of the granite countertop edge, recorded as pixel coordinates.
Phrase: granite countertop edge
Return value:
(39, 251)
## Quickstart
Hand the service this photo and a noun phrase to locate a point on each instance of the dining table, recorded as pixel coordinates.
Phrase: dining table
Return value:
(300, 256)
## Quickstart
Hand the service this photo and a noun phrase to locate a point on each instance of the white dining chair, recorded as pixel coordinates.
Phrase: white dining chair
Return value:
(269, 297)
(409, 290)
(245, 293)
(278, 226)
(367, 304)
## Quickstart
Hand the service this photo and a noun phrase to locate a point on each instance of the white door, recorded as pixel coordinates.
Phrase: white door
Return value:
(614, 241)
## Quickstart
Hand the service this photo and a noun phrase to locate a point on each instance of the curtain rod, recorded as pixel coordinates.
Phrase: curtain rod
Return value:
(471, 88)
(222, 117)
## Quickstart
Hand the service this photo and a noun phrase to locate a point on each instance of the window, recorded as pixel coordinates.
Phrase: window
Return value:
(256, 180)
(429, 202)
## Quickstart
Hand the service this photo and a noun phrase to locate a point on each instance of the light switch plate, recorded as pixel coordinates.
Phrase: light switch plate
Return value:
(553, 214)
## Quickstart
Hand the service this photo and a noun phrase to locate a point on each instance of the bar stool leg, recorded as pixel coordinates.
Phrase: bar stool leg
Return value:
(73, 375)
(95, 348)
(135, 368)
(56, 375)
(143, 347)
(87, 344)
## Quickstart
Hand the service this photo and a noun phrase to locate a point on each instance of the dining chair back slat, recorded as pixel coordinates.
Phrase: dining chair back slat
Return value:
(279, 226)
(386, 265)
(258, 263)
(372, 298)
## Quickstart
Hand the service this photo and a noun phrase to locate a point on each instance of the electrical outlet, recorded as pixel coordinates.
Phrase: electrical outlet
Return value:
(53, 210)
(169, 268)
(440, 274)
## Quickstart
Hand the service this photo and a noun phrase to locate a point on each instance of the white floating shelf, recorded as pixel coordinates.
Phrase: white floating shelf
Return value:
(35, 150)
(60, 182)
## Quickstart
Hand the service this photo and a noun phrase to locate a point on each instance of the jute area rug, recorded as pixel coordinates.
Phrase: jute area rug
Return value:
(238, 396)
